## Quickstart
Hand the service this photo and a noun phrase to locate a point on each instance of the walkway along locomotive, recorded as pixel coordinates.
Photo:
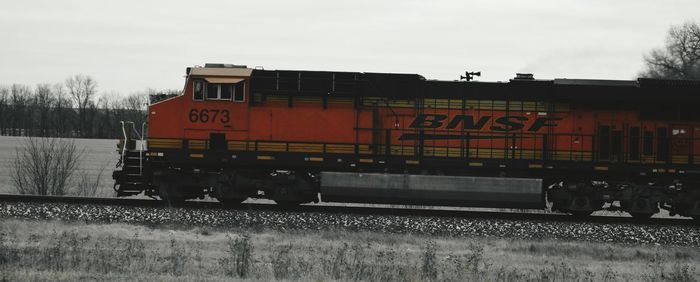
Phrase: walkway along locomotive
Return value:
(297, 136)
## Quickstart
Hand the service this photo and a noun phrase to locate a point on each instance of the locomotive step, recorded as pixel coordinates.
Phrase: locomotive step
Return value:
(132, 172)
(134, 178)
(132, 167)
(131, 187)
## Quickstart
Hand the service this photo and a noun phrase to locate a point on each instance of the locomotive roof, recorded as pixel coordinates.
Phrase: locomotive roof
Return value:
(220, 71)
(403, 85)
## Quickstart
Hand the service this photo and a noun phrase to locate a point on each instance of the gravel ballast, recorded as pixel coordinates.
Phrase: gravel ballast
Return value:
(629, 233)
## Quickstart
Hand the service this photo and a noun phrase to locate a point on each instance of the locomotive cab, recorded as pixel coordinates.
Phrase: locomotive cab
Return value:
(213, 104)
(211, 109)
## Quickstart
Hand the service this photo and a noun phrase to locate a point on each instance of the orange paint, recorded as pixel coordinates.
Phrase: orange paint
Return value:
(307, 121)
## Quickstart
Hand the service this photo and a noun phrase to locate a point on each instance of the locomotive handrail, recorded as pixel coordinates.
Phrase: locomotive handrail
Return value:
(143, 130)
(561, 148)
(133, 126)
(121, 162)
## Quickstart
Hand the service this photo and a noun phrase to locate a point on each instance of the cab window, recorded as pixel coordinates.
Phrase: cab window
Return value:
(198, 89)
(213, 91)
(204, 90)
(239, 92)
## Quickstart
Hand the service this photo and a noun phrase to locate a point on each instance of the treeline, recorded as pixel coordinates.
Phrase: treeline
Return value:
(70, 109)
(680, 58)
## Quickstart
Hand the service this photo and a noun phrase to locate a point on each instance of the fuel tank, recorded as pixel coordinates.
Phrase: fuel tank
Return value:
(434, 190)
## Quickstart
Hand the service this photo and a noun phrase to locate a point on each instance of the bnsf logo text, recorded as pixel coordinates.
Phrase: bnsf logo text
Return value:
(467, 122)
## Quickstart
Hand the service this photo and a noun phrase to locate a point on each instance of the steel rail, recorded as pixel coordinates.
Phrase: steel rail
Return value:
(356, 210)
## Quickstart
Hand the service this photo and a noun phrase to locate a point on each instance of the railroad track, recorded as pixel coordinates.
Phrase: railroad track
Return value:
(358, 210)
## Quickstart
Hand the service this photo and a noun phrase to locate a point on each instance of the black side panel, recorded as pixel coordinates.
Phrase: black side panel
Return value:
(604, 142)
(648, 143)
(217, 142)
(662, 144)
(616, 140)
(634, 143)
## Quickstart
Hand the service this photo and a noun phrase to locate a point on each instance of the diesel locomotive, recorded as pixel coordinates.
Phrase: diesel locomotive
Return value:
(570, 145)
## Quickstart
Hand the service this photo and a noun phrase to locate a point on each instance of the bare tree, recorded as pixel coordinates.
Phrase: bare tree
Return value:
(75, 110)
(680, 59)
(19, 96)
(107, 118)
(87, 184)
(4, 109)
(61, 111)
(134, 108)
(45, 166)
(44, 100)
(90, 125)
(119, 113)
(82, 90)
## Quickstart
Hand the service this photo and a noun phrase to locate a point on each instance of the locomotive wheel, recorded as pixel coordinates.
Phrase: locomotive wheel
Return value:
(584, 206)
(168, 197)
(642, 208)
(641, 215)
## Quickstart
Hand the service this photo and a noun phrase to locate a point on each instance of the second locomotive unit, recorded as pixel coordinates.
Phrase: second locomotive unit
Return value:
(302, 136)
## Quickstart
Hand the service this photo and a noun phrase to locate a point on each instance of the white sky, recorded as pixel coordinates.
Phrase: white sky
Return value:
(129, 45)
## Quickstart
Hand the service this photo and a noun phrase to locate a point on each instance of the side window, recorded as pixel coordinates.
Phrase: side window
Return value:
(213, 91)
(225, 91)
(662, 148)
(648, 143)
(210, 90)
(239, 92)
(635, 135)
(198, 89)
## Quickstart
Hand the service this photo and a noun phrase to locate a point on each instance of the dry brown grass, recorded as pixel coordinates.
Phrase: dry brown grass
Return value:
(59, 251)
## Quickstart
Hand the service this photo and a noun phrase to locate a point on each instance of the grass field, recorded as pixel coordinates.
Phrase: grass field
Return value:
(51, 250)
(99, 157)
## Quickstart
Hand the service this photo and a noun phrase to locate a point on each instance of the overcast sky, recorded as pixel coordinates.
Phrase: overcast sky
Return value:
(130, 45)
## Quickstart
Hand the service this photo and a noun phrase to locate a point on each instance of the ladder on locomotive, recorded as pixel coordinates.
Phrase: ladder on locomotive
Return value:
(130, 179)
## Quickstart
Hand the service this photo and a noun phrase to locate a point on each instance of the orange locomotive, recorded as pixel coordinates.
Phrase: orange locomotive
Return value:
(297, 136)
